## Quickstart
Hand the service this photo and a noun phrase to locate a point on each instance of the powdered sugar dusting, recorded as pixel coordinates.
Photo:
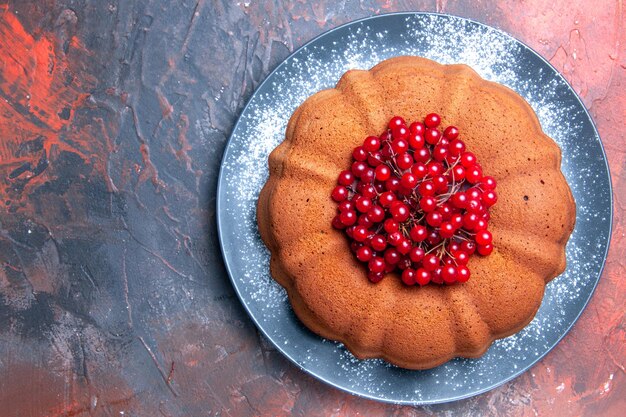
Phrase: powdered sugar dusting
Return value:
(362, 45)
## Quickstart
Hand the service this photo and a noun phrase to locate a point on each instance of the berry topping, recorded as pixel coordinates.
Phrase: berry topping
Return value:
(415, 201)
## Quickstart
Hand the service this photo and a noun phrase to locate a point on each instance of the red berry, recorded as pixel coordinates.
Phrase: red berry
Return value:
(417, 128)
(432, 136)
(371, 144)
(391, 226)
(422, 277)
(376, 214)
(408, 276)
(392, 256)
(358, 168)
(394, 238)
(378, 243)
(449, 274)
(489, 198)
(363, 204)
(364, 254)
(404, 246)
(453, 246)
(419, 170)
(404, 160)
(399, 132)
(416, 254)
(360, 233)
(451, 132)
(386, 151)
(426, 188)
(383, 172)
(376, 264)
(408, 180)
(374, 159)
(435, 168)
(457, 147)
(457, 220)
(474, 174)
(474, 193)
(428, 204)
(481, 225)
(483, 238)
(459, 200)
(345, 205)
(368, 191)
(421, 155)
(435, 276)
(348, 217)
(468, 159)
(359, 154)
(488, 183)
(418, 233)
(446, 211)
(474, 206)
(364, 220)
(398, 192)
(416, 141)
(440, 152)
(430, 262)
(345, 178)
(396, 121)
(399, 146)
(447, 230)
(399, 211)
(441, 183)
(434, 219)
(469, 220)
(405, 263)
(434, 238)
(432, 120)
(485, 250)
(375, 277)
(392, 184)
(337, 224)
(387, 198)
(458, 173)
(461, 257)
(339, 193)
(462, 273)
(368, 176)
(469, 247)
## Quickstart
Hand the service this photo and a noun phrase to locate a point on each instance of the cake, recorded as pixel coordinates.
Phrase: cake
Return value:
(415, 327)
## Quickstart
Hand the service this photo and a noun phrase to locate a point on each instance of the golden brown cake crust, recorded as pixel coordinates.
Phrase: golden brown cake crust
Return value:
(412, 327)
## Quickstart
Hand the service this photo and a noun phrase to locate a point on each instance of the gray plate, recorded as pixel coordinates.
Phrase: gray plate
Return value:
(362, 44)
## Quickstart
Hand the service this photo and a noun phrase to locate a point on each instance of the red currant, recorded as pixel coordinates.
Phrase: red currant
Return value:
(432, 120)
(396, 121)
(408, 276)
(339, 193)
(376, 264)
(422, 277)
(449, 274)
(432, 136)
(451, 132)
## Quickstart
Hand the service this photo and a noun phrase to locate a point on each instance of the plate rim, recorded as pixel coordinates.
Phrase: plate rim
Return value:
(219, 210)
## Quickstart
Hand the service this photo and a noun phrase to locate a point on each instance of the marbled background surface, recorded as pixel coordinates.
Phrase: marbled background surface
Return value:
(113, 296)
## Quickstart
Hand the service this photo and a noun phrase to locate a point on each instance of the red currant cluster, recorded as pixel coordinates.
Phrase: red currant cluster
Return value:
(415, 201)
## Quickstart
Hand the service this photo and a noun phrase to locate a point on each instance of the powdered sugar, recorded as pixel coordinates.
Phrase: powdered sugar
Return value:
(361, 45)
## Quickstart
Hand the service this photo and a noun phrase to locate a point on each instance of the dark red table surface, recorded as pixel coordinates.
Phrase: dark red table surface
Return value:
(114, 300)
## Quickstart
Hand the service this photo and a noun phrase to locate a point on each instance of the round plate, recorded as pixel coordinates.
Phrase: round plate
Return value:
(362, 44)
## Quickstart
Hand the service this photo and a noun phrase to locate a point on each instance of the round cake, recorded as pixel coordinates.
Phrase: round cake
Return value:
(415, 327)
